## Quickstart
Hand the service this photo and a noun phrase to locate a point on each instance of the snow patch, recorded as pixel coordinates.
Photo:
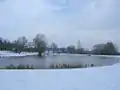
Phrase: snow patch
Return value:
(12, 54)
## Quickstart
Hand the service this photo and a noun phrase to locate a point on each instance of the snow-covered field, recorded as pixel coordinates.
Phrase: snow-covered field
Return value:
(100, 78)
(12, 54)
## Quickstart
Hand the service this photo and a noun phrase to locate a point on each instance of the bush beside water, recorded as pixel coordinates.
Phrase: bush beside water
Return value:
(19, 67)
(62, 66)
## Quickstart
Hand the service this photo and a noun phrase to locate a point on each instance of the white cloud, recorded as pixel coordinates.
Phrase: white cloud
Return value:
(97, 14)
(60, 19)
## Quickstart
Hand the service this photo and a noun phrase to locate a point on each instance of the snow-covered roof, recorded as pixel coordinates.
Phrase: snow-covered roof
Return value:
(100, 78)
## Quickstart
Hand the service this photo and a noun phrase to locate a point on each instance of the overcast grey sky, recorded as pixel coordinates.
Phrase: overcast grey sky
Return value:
(62, 21)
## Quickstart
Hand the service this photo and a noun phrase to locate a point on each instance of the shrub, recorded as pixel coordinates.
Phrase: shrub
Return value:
(19, 67)
(62, 66)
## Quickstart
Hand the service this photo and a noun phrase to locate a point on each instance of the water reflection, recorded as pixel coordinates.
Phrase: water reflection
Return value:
(46, 62)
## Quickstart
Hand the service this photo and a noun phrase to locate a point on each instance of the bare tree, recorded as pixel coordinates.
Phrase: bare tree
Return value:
(20, 42)
(107, 49)
(54, 47)
(40, 43)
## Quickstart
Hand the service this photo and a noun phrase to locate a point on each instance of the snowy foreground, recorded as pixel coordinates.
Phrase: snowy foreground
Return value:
(12, 54)
(100, 78)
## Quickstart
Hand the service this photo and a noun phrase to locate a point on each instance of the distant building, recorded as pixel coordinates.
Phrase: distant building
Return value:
(78, 44)
(29, 45)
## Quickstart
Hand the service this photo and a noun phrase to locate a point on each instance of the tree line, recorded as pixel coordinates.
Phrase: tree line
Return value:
(108, 48)
(39, 44)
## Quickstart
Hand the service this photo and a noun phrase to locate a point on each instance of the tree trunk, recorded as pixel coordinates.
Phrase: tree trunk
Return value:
(39, 54)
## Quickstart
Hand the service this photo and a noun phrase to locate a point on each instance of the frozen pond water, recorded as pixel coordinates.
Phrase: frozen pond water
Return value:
(45, 62)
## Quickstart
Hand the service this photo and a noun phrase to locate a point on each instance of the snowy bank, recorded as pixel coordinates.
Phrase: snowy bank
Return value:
(116, 56)
(101, 78)
(12, 54)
